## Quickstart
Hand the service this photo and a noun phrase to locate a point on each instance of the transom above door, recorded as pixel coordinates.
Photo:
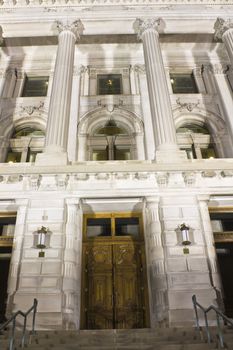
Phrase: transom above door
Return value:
(113, 226)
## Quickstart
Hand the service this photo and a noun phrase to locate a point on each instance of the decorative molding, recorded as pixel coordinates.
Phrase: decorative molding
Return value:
(187, 105)
(142, 25)
(162, 179)
(53, 5)
(218, 68)
(189, 178)
(221, 26)
(208, 173)
(75, 27)
(140, 68)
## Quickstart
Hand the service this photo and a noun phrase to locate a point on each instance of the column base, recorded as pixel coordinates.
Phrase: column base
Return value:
(53, 158)
(170, 156)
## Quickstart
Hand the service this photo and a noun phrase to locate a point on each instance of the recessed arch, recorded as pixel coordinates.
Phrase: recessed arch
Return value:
(213, 122)
(98, 117)
(131, 139)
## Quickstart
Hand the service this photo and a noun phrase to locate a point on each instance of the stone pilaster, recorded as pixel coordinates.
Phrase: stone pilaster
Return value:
(155, 260)
(59, 107)
(71, 285)
(216, 74)
(16, 253)
(197, 73)
(145, 103)
(74, 113)
(160, 104)
(209, 243)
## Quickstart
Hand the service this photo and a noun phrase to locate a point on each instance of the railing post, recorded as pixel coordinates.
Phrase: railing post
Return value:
(207, 328)
(24, 332)
(35, 303)
(12, 338)
(219, 331)
(194, 299)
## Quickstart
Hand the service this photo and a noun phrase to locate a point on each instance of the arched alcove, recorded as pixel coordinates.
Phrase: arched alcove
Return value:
(123, 142)
(24, 138)
(202, 134)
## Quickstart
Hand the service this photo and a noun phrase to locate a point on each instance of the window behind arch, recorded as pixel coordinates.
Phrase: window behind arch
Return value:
(196, 140)
(111, 142)
(24, 145)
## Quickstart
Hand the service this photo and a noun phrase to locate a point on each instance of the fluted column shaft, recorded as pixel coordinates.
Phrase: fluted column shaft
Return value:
(164, 128)
(59, 108)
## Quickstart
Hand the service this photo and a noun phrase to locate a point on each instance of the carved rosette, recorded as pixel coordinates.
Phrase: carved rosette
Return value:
(141, 26)
(75, 27)
(221, 26)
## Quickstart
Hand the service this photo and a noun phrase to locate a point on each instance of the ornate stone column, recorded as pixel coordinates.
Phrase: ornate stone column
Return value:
(160, 104)
(224, 31)
(209, 243)
(155, 260)
(59, 108)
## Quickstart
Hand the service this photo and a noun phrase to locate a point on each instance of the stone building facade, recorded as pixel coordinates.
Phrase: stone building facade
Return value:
(115, 111)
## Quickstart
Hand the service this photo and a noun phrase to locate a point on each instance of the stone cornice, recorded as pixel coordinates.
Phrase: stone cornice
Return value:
(66, 3)
(221, 26)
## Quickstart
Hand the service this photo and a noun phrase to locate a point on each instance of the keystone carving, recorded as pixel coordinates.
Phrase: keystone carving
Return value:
(187, 105)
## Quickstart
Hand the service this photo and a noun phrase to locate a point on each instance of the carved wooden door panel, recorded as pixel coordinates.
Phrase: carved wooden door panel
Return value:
(128, 286)
(99, 287)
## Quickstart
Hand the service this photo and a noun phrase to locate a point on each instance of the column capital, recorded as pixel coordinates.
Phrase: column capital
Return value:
(217, 68)
(140, 26)
(221, 26)
(75, 27)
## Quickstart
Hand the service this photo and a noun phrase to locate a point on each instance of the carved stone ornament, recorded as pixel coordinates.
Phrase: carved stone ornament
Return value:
(75, 27)
(187, 105)
(142, 25)
(31, 109)
(221, 26)
(218, 68)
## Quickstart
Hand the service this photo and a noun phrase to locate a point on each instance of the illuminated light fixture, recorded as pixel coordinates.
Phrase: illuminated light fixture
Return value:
(41, 240)
(184, 229)
(172, 81)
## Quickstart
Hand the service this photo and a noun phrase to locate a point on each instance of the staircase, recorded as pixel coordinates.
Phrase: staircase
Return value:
(135, 339)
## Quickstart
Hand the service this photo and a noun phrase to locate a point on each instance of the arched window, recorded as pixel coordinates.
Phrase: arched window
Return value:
(25, 144)
(196, 141)
(110, 142)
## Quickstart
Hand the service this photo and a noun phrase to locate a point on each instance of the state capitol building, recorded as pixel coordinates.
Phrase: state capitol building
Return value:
(116, 151)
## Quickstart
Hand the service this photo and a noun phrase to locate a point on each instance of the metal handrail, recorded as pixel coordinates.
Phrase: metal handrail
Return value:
(219, 316)
(13, 321)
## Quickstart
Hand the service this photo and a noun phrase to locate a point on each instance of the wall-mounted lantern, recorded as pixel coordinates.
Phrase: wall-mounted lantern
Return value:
(185, 234)
(184, 229)
(42, 240)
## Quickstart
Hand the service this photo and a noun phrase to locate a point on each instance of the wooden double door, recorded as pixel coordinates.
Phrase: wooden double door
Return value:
(115, 285)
